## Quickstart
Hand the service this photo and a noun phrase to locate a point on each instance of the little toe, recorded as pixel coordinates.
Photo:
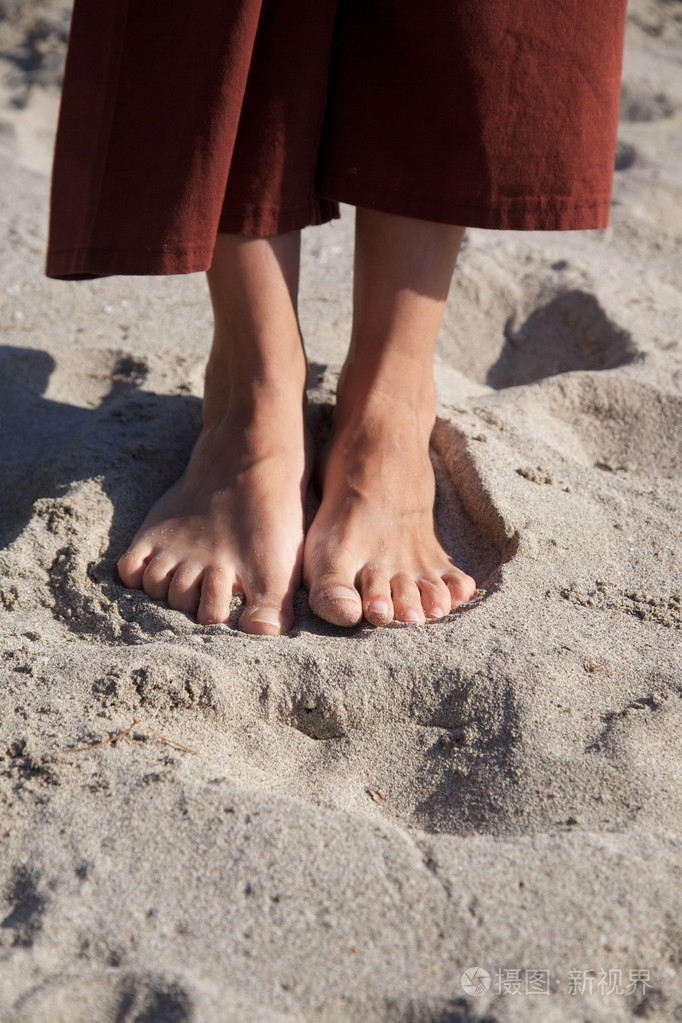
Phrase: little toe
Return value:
(184, 591)
(157, 576)
(461, 586)
(267, 616)
(375, 586)
(131, 565)
(407, 602)
(435, 597)
(336, 601)
(216, 597)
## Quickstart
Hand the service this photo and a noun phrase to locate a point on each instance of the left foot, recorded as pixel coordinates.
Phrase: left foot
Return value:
(372, 548)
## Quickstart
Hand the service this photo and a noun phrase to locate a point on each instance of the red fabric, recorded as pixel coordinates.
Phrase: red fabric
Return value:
(257, 117)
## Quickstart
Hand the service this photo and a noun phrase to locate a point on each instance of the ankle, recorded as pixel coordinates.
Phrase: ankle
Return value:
(242, 378)
(398, 401)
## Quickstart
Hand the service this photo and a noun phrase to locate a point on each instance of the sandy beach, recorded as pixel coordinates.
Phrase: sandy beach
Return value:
(351, 826)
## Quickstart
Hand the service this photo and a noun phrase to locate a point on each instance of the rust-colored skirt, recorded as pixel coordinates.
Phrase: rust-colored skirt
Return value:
(182, 119)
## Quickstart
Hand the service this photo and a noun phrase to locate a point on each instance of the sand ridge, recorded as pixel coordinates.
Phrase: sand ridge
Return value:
(201, 826)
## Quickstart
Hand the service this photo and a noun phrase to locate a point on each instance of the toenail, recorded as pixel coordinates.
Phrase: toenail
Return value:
(437, 612)
(379, 607)
(267, 616)
(411, 616)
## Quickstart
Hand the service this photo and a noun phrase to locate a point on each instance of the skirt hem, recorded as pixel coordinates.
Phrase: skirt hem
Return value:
(547, 213)
(85, 263)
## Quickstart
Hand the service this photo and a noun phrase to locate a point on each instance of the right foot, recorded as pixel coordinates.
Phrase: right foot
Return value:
(233, 523)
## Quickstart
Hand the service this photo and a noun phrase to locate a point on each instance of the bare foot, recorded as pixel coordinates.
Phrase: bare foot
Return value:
(372, 549)
(233, 523)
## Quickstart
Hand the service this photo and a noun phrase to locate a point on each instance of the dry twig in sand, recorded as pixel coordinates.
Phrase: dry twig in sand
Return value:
(126, 731)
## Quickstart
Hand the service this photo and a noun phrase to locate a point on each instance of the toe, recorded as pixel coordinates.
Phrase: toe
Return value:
(406, 599)
(375, 586)
(157, 576)
(131, 565)
(184, 591)
(435, 597)
(216, 597)
(461, 586)
(336, 600)
(267, 616)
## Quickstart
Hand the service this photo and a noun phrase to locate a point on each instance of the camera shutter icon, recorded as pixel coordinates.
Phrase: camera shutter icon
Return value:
(475, 981)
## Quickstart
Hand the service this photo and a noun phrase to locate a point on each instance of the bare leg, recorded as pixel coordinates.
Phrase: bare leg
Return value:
(372, 548)
(233, 523)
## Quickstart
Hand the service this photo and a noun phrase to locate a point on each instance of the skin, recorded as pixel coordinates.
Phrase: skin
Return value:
(234, 522)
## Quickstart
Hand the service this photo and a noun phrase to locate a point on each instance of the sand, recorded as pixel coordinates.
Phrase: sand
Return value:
(196, 825)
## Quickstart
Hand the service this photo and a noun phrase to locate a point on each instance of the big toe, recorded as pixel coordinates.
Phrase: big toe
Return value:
(267, 617)
(336, 601)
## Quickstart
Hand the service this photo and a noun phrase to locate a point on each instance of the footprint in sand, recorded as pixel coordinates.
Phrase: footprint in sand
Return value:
(571, 332)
